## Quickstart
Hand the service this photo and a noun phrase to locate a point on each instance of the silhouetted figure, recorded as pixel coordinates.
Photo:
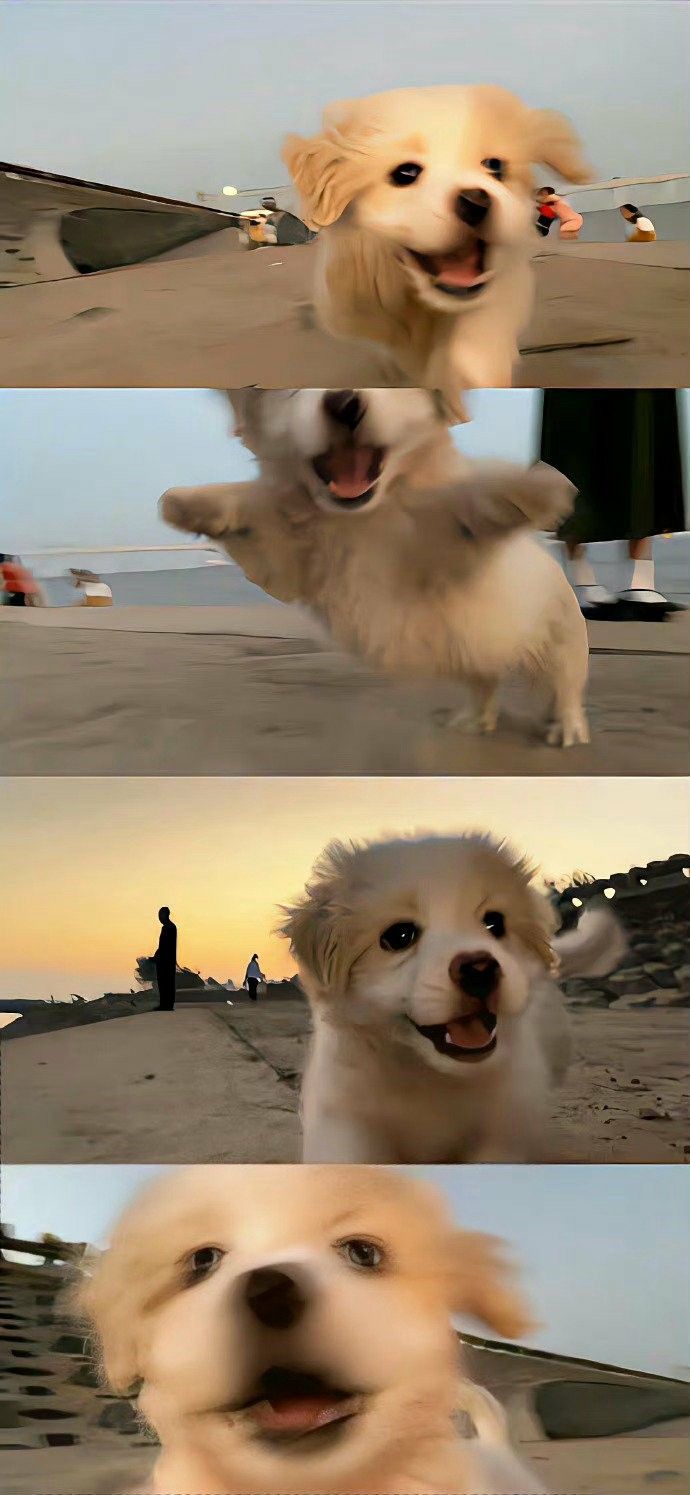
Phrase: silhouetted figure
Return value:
(253, 976)
(166, 961)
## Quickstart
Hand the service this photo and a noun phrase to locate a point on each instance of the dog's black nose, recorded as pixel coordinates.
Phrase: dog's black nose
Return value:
(345, 406)
(472, 206)
(274, 1296)
(476, 974)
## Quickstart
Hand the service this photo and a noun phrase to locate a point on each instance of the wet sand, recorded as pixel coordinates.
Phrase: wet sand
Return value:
(258, 690)
(606, 315)
(220, 1084)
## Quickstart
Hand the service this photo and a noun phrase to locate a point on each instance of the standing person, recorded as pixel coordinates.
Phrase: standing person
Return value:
(643, 230)
(166, 961)
(552, 206)
(20, 588)
(621, 449)
(253, 975)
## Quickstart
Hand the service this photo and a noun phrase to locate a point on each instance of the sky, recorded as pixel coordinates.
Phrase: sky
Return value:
(173, 98)
(607, 1280)
(225, 853)
(82, 467)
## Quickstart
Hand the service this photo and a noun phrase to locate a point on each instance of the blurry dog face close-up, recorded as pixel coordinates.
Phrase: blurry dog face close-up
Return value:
(345, 446)
(442, 176)
(289, 1325)
(441, 938)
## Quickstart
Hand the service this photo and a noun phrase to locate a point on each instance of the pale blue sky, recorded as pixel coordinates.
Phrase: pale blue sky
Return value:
(171, 96)
(86, 467)
(604, 1250)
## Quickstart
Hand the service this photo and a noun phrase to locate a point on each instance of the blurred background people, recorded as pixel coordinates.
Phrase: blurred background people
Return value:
(551, 207)
(621, 449)
(642, 229)
(92, 591)
(18, 585)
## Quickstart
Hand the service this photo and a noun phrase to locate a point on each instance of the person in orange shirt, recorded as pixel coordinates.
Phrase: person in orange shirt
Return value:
(643, 230)
(552, 206)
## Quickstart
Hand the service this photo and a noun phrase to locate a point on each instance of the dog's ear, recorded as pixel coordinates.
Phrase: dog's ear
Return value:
(554, 142)
(317, 925)
(536, 927)
(100, 1302)
(482, 1284)
(328, 169)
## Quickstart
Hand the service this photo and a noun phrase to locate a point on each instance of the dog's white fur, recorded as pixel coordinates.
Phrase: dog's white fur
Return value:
(377, 1090)
(196, 1351)
(439, 574)
(369, 284)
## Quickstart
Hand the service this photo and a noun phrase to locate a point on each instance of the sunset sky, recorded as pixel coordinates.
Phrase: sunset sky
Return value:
(83, 889)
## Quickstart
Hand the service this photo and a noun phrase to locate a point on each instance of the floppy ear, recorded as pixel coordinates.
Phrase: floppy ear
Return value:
(328, 170)
(537, 926)
(482, 1284)
(316, 925)
(554, 142)
(102, 1304)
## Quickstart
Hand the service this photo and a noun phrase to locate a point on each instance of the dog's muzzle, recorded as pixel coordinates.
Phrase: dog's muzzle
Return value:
(471, 1034)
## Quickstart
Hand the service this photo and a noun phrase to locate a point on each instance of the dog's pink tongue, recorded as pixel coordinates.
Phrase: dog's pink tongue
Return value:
(299, 1414)
(350, 469)
(468, 1033)
(459, 269)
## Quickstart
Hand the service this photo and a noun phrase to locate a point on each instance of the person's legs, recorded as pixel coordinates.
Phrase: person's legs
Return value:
(583, 578)
(166, 990)
(641, 599)
(252, 985)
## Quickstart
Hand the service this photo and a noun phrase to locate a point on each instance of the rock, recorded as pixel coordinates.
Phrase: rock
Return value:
(660, 974)
(648, 1113)
(120, 1416)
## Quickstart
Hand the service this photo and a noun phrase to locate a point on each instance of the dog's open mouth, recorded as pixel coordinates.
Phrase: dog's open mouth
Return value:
(462, 272)
(464, 1038)
(289, 1406)
(350, 473)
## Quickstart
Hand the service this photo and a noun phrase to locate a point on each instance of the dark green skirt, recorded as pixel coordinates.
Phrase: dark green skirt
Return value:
(621, 449)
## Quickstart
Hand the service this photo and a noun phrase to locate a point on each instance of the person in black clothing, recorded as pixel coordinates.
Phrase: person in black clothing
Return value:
(166, 961)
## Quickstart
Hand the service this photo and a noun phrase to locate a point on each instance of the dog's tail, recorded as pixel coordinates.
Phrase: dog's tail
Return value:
(490, 1421)
(595, 948)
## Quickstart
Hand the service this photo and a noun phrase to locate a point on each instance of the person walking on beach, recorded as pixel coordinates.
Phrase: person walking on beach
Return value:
(643, 230)
(166, 961)
(253, 975)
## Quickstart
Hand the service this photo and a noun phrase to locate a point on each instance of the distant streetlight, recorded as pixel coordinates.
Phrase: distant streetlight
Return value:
(643, 882)
(229, 191)
(609, 892)
(577, 903)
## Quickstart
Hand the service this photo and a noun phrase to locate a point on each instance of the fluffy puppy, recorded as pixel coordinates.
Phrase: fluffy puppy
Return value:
(438, 1027)
(418, 561)
(425, 199)
(289, 1330)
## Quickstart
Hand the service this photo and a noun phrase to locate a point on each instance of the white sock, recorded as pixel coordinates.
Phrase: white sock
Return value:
(583, 573)
(594, 595)
(642, 579)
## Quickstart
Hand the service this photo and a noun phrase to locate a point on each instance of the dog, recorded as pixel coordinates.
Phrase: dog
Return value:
(290, 1331)
(425, 202)
(439, 1031)
(419, 562)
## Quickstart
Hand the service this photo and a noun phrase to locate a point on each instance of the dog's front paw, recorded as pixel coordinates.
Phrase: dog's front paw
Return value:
(548, 496)
(200, 512)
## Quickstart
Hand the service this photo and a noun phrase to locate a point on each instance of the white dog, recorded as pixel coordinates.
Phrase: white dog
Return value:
(438, 1028)
(290, 1331)
(426, 201)
(416, 560)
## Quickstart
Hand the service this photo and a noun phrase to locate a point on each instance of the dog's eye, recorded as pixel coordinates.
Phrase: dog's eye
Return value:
(203, 1261)
(496, 166)
(405, 174)
(495, 923)
(400, 936)
(362, 1254)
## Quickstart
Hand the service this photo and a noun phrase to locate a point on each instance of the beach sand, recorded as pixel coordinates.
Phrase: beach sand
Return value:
(220, 1084)
(606, 315)
(258, 690)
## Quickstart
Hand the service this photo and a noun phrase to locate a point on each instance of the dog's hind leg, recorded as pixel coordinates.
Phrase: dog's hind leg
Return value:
(481, 712)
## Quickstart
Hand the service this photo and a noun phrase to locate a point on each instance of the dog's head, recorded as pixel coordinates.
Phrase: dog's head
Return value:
(291, 1323)
(438, 940)
(441, 175)
(346, 446)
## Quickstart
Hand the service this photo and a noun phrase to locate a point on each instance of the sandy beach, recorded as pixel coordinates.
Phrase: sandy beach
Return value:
(220, 1084)
(258, 690)
(606, 315)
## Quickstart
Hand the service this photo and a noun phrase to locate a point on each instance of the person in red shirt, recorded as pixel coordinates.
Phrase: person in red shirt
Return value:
(20, 588)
